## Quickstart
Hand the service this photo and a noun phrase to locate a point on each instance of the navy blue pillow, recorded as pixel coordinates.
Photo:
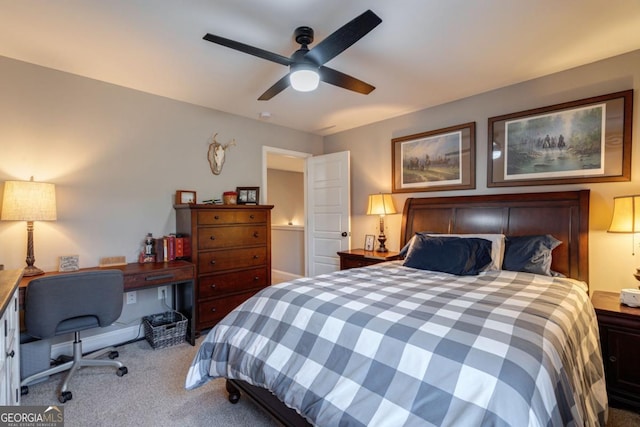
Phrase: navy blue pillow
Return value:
(454, 255)
(405, 248)
(531, 254)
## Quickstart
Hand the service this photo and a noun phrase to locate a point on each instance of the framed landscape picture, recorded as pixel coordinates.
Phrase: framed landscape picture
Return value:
(588, 140)
(437, 160)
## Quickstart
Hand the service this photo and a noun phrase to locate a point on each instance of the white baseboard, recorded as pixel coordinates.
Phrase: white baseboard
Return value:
(279, 276)
(98, 341)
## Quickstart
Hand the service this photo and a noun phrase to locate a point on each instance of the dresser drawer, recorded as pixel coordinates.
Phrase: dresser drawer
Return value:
(220, 284)
(133, 281)
(232, 216)
(212, 311)
(224, 237)
(211, 262)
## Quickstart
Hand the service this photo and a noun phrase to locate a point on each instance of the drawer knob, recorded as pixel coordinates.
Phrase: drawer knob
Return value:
(213, 310)
(212, 262)
(256, 278)
(216, 217)
(213, 286)
(255, 234)
(256, 257)
(613, 359)
(251, 216)
(212, 237)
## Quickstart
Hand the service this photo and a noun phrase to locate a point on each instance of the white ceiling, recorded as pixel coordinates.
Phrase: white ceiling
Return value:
(424, 53)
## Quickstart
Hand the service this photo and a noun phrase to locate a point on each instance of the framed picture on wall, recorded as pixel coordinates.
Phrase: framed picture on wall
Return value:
(588, 140)
(437, 160)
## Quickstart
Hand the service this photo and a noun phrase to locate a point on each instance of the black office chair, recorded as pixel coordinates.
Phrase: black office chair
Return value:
(65, 303)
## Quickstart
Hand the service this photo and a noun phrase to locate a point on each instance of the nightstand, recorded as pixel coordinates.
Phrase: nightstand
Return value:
(620, 340)
(360, 258)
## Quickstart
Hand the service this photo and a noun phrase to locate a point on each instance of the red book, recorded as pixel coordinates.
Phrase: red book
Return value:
(179, 247)
(171, 247)
(186, 243)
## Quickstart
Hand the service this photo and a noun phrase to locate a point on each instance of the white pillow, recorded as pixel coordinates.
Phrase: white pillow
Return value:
(497, 247)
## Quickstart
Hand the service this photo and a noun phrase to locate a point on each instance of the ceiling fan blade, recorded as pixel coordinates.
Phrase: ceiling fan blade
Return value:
(278, 87)
(260, 53)
(336, 78)
(343, 37)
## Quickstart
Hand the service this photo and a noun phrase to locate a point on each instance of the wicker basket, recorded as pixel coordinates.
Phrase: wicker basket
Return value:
(165, 329)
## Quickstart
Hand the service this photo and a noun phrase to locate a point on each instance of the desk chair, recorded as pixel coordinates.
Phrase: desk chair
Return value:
(61, 304)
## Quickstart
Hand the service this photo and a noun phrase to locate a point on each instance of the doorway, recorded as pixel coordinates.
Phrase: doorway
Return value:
(283, 181)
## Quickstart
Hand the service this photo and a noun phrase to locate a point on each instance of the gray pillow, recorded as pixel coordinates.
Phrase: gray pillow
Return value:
(531, 254)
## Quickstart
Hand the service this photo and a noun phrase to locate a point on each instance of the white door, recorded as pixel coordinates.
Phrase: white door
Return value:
(328, 211)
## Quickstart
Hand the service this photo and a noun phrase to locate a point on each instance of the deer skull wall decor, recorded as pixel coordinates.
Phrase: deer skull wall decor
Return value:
(216, 154)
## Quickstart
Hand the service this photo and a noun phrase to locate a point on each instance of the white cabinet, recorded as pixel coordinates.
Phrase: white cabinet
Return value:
(10, 340)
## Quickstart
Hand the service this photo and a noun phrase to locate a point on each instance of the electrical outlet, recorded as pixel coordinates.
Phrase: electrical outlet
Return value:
(131, 297)
(162, 292)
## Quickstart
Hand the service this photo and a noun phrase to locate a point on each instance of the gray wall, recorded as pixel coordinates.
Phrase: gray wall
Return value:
(611, 261)
(116, 156)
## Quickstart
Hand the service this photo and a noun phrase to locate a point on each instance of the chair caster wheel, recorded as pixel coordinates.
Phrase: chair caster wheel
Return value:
(24, 390)
(122, 371)
(64, 396)
(234, 398)
(113, 354)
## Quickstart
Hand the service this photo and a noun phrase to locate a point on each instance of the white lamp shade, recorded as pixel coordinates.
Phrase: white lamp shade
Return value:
(304, 79)
(626, 215)
(380, 204)
(28, 201)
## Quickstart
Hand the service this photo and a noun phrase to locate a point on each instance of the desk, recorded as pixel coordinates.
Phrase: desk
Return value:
(177, 274)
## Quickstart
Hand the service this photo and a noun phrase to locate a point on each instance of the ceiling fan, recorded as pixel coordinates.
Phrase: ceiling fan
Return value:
(306, 66)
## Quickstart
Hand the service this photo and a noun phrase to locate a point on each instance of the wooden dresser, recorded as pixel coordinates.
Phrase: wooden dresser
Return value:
(231, 250)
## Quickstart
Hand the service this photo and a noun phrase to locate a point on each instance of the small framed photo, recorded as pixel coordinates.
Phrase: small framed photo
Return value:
(248, 195)
(184, 197)
(69, 263)
(369, 242)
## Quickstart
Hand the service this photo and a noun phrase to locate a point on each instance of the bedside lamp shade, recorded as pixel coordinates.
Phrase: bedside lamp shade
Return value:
(626, 215)
(381, 204)
(29, 201)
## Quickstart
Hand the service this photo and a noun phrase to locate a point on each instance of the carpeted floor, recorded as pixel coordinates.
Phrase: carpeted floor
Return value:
(153, 394)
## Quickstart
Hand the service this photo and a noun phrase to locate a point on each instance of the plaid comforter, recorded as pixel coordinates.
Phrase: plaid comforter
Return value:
(388, 345)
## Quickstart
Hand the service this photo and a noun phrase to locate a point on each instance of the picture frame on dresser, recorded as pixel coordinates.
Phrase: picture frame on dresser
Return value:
(185, 197)
(248, 195)
(588, 140)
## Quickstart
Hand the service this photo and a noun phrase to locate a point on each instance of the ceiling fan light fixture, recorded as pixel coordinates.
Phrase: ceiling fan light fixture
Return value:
(304, 78)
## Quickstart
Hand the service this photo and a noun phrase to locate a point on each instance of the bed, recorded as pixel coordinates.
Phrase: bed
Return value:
(391, 344)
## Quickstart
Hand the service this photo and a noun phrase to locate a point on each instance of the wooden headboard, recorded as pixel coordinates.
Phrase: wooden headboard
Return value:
(565, 215)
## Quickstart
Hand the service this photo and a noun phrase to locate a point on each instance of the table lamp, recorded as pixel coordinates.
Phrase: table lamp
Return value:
(29, 201)
(626, 219)
(381, 204)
